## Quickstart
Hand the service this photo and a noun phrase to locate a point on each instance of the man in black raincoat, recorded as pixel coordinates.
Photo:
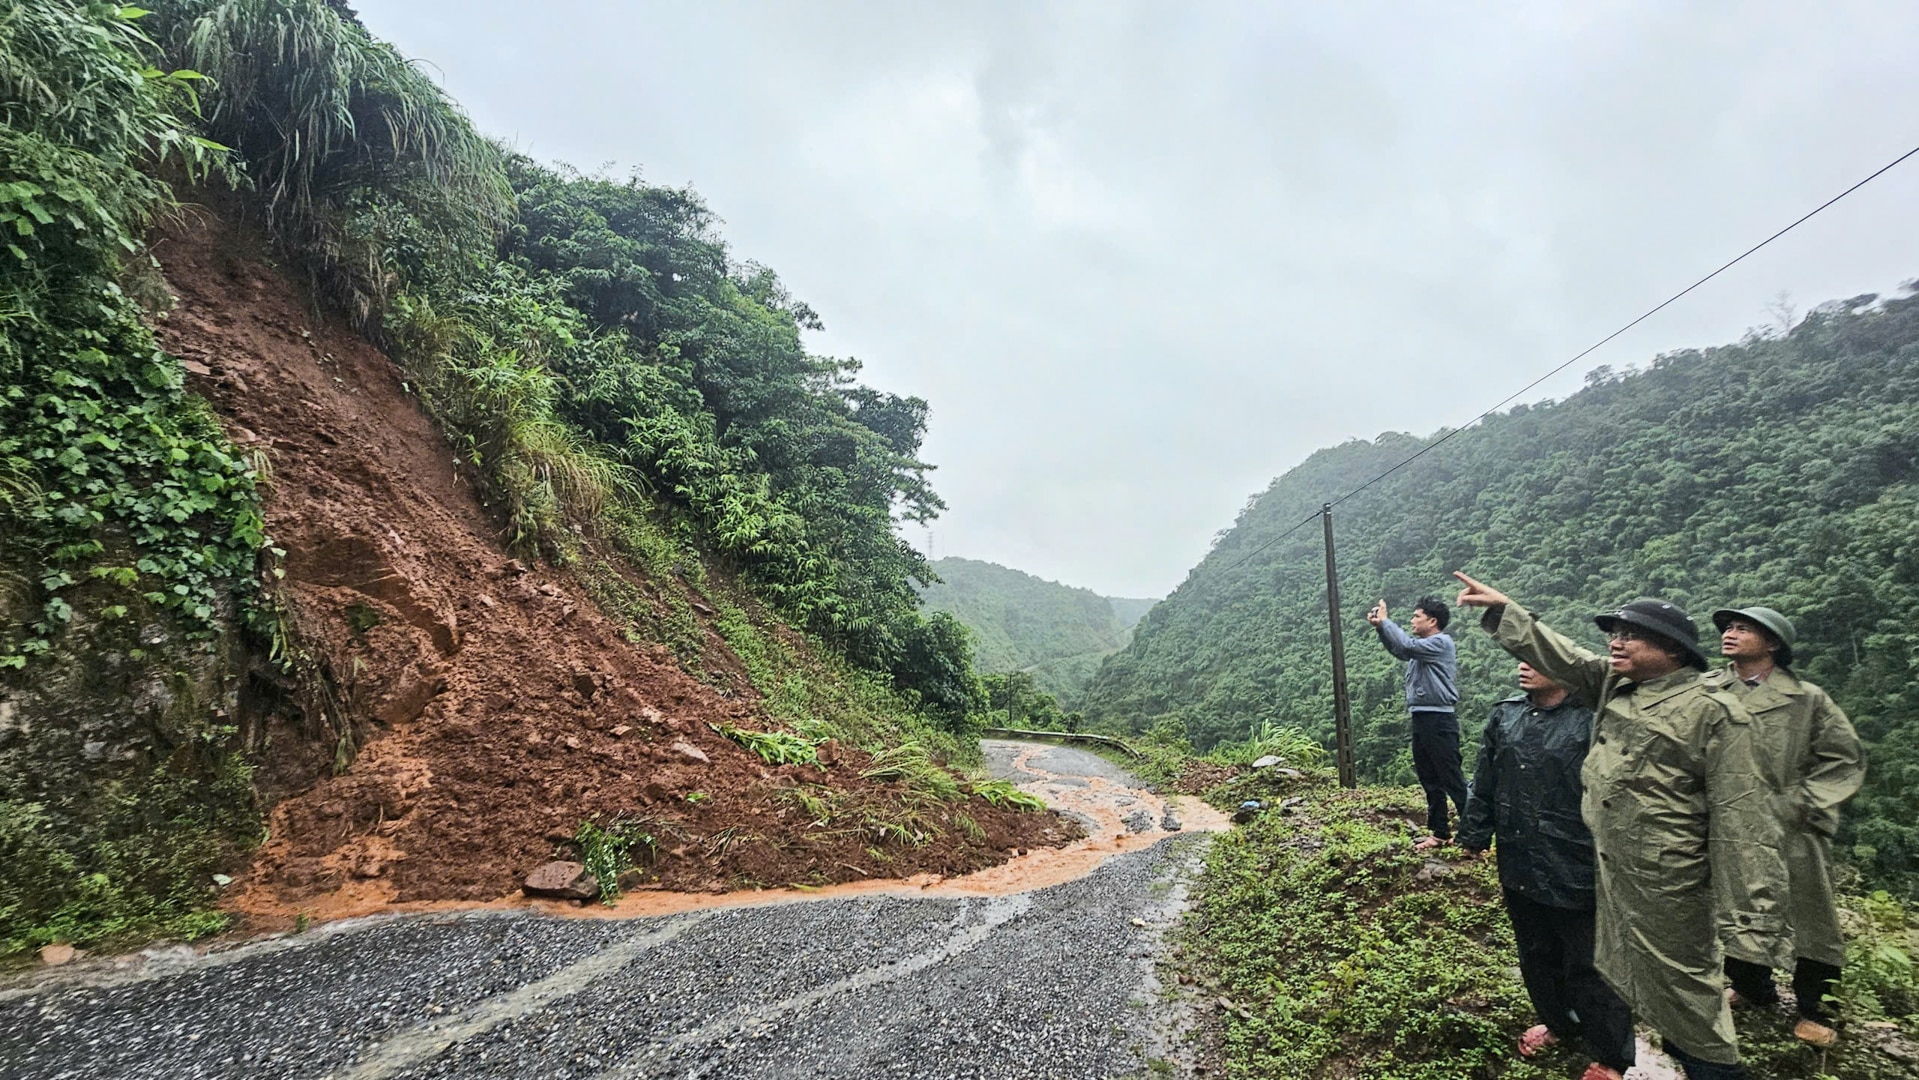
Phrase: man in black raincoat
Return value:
(1525, 803)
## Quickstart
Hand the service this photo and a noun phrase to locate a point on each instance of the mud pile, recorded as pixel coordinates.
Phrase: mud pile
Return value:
(500, 707)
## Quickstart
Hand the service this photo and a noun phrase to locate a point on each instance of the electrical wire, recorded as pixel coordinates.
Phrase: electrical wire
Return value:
(1589, 350)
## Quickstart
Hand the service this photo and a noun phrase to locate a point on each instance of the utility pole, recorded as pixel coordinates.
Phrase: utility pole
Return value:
(1342, 705)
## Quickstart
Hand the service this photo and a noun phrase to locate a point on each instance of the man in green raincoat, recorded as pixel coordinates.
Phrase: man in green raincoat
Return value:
(1683, 816)
(1814, 754)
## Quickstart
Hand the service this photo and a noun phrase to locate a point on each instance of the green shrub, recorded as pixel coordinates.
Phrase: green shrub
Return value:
(910, 764)
(774, 747)
(1879, 981)
(359, 160)
(607, 851)
(1283, 741)
(98, 438)
(1003, 793)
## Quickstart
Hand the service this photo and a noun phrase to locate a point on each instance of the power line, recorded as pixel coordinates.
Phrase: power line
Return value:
(1589, 350)
(1314, 516)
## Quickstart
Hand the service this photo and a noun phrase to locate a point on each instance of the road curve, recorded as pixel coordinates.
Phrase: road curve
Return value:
(1052, 982)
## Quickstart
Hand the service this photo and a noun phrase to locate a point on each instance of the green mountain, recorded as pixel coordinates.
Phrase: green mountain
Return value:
(1022, 623)
(1129, 611)
(1782, 470)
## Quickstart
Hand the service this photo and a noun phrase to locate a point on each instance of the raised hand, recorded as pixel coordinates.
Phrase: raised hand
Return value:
(1479, 594)
(1378, 614)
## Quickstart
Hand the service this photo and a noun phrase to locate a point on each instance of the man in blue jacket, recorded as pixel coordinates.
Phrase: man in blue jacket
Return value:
(1432, 690)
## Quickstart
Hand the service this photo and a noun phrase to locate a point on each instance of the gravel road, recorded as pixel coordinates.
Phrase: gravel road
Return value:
(1055, 982)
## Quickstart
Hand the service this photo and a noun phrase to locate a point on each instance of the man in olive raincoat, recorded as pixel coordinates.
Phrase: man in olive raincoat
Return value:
(1683, 816)
(1525, 797)
(1814, 754)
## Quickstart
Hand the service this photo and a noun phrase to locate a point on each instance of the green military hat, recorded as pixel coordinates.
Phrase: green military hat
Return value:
(1777, 625)
(1662, 618)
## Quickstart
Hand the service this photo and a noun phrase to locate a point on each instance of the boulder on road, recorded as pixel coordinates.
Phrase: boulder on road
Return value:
(562, 880)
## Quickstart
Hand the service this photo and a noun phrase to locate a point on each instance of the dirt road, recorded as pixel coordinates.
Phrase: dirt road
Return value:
(956, 979)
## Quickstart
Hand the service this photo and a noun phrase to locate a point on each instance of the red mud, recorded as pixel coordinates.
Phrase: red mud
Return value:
(501, 706)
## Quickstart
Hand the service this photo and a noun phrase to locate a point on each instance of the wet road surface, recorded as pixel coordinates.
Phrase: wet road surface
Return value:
(988, 978)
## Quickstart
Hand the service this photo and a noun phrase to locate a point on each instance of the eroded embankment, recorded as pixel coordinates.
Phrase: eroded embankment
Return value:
(499, 706)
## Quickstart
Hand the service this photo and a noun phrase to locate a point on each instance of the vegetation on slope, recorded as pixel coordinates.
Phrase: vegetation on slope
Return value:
(1056, 633)
(1779, 471)
(1130, 610)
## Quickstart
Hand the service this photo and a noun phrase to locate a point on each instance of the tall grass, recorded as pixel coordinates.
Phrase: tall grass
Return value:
(335, 129)
(483, 367)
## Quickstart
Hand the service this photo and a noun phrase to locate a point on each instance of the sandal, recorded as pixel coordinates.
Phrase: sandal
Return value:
(1815, 1033)
(1428, 843)
(1537, 1038)
(1596, 1071)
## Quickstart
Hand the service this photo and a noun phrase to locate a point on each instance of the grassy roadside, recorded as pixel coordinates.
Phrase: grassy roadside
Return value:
(1329, 948)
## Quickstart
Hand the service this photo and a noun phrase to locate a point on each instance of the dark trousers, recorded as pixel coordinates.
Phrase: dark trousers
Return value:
(1436, 762)
(1556, 962)
(1811, 982)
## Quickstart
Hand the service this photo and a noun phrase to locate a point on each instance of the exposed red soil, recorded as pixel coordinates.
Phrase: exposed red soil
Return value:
(1198, 776)
(501, 707)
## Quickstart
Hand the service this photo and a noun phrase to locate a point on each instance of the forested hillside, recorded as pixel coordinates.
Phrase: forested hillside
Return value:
(249, 245)
(1129, 610)
(1057, 633)
(1783, 470)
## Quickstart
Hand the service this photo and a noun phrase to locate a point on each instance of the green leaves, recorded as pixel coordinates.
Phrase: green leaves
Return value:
(774, 747)
(94, 420)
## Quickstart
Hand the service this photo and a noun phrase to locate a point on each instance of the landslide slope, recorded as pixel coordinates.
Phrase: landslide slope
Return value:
(500, 707)
(667, 515)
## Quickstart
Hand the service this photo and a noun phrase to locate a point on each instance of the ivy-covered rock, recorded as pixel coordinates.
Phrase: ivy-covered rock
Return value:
(125, 792)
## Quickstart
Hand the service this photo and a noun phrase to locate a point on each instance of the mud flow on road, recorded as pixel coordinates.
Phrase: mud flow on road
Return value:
(1043, 968)
(1116, 809)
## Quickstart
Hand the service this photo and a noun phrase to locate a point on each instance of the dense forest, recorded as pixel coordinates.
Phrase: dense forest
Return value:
(1020, 623)
(1782, 470)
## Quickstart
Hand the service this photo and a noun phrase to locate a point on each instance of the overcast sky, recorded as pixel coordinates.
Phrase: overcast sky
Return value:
(1143, 258)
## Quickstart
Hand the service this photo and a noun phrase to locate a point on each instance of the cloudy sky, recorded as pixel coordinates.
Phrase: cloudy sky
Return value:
(1143, 258)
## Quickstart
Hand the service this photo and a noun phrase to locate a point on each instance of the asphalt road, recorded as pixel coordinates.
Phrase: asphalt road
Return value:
(1055, 982)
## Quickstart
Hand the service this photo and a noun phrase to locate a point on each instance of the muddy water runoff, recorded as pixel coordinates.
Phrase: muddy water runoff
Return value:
(1117, 811)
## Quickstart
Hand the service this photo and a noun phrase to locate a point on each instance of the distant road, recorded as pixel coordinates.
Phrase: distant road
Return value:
(1051, 983)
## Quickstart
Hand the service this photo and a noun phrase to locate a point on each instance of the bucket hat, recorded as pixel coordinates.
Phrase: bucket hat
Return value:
(1777, 625)
(1656, 616)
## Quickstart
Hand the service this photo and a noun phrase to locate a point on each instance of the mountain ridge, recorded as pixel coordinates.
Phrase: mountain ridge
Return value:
(1021, 622)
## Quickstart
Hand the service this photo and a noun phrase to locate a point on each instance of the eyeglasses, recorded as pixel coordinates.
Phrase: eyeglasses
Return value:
(1625, 633)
